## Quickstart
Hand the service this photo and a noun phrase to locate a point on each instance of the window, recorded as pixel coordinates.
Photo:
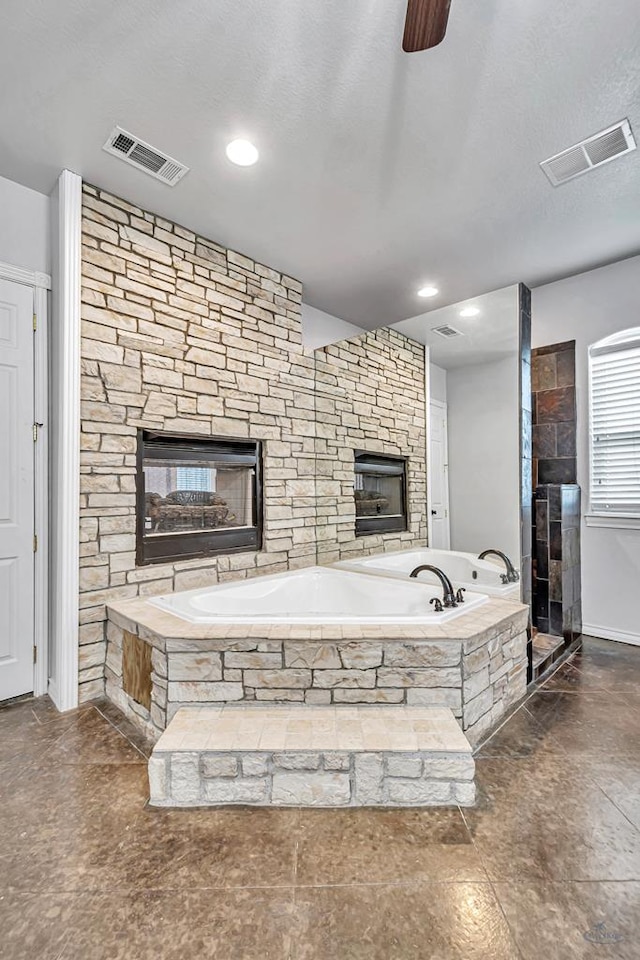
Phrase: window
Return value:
(380, 491)
(196, 497)
(196, 478)
(614, 390)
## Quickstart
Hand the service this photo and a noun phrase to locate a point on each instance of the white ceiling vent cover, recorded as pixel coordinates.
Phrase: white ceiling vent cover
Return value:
(447, 331)
(607, 145)
(145, 157)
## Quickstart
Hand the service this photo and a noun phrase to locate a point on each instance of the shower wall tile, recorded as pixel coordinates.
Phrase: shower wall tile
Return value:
(565, 438)
(545, 440)
(557, 607)
(554, 414)
(544, 373)
(556, 406)
(556, 470)
(566, 366)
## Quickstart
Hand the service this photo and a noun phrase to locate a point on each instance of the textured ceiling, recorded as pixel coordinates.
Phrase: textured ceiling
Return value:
(379, 171)
(493, 334)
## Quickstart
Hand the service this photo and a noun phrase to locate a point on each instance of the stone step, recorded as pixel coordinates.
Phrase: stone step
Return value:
(296, 755)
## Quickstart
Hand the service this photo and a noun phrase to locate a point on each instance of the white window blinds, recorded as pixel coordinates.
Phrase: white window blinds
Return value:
(196, 478)
(614, 377)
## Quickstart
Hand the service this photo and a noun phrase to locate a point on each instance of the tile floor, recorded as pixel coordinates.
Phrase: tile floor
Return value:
(551, 853)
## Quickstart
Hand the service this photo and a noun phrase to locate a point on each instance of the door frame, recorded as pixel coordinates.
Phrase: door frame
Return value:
(441, 404)
(64, 450)
(40, 283)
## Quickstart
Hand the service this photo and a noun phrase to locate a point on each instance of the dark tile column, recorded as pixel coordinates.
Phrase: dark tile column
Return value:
(526, 450)
(526, 454)
(554, 413)
(571, 575)
(557, 603)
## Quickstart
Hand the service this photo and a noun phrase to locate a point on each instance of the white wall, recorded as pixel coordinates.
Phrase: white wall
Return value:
(484, 457)
(320, 328)
(586, 308)
(437, 383)
(24, 227)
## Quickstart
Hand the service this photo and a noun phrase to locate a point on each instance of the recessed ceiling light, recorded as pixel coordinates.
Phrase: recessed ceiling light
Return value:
(242, 152)
(428, 292)
(469, 312)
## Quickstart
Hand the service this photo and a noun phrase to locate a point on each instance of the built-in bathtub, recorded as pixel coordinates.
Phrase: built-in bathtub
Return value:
(317, 636)
(316, 595)
(463, 569)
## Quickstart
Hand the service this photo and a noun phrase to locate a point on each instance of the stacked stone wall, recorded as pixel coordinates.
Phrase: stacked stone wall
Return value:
(312, 779)
(180, 334)
(370, 395)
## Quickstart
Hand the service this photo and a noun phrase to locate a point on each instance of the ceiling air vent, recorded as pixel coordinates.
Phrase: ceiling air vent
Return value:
(145, 157)
(447, 331)
(601, 148)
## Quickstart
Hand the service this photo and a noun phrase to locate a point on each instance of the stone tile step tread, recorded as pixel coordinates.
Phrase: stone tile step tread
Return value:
(544, 645)
(312, 756)
(354, 729)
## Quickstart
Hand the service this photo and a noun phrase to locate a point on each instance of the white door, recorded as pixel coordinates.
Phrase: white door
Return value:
(439, 537)
(16, 490)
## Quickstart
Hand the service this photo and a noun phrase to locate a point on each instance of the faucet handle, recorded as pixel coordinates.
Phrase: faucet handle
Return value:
(459, 592)
(438, 604)
(505, 578)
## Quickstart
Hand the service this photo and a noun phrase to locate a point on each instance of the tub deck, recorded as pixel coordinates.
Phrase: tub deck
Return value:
(315, 595)
(474, 665)
(166, 630)
(463, 569)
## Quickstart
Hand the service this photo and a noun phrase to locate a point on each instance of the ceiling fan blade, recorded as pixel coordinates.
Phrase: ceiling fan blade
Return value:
(426, 24)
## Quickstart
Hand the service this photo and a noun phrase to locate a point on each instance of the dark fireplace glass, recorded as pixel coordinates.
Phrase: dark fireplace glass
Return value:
(380, 491)
(196, 496)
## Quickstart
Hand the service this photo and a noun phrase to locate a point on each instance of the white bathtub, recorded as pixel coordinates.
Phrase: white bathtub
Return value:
(314, 595)
(463, 569)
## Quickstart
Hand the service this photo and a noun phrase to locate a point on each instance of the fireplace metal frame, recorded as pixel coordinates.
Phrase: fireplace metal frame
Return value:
(396, 466)
(210, 543)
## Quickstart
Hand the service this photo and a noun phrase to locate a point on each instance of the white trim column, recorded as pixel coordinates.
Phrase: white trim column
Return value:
(41, 487)
(64, 341)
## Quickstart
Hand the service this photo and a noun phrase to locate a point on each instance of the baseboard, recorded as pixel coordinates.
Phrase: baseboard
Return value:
(54, 694)
(53, 691)
(621, 636)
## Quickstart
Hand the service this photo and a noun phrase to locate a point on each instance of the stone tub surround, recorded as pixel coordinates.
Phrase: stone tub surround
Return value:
(183, 335)
(474, 665)
(314, 756)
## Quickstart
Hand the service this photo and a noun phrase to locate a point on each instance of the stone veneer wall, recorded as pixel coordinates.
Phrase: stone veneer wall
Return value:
(370, 395)
(181, 334)
(311, 779)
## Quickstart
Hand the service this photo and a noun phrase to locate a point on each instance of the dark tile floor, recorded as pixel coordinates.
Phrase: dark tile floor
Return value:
(551, 853)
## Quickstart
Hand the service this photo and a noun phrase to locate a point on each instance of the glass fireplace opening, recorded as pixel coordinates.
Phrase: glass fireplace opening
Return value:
(380, 491)
(197, 496)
